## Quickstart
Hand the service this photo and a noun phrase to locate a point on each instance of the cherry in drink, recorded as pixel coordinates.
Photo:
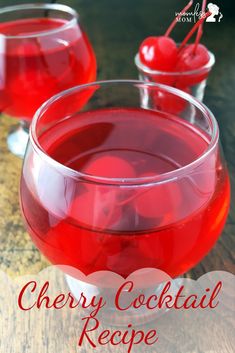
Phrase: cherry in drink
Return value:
(124, 188)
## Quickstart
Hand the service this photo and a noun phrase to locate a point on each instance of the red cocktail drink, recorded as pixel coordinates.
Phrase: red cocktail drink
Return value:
(37, 69)
(123, 188)
(41, 54)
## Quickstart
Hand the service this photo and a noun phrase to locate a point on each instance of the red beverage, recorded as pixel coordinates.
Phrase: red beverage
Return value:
(169, 225)
(39, 57)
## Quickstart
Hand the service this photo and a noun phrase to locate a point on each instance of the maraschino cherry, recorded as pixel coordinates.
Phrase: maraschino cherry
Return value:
(160, 53)
(98, 205)
(148, 202)
(193, 56)
(95, 208)
(110, 167)
(191, 60)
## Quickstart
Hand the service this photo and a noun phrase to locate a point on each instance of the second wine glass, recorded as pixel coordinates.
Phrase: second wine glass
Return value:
(43, 50)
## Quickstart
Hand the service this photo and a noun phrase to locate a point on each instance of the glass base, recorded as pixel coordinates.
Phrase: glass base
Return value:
(18, 138)
(109, 315)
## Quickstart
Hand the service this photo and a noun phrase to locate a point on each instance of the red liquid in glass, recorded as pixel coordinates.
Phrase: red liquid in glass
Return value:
(170, 226)
(32, 69)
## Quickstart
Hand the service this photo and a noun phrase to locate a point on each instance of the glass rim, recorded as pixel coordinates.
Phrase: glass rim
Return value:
(141, 67)
(40, 6)
(136, 181)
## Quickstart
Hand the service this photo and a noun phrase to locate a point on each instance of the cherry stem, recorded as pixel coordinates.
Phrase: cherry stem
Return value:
(174, 22)
(200, 28)
(189, 35)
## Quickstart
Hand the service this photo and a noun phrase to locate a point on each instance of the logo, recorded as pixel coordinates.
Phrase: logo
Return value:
(214, 9)
(197, 13)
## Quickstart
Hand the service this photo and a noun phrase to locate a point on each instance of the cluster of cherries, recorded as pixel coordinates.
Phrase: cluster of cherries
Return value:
(161, 53)
(108, 204)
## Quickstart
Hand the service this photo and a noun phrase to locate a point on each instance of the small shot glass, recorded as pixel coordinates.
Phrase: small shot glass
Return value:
(192, 82)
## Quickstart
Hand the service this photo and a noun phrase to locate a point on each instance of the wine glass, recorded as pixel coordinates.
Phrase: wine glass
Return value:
(124, 184)
(43, 50)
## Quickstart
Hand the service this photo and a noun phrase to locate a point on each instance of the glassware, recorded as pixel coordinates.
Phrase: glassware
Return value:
(43, 50)
(119, 187)
(192, 82)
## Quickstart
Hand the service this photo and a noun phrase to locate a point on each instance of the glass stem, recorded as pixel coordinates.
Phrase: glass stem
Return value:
(24, 124)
